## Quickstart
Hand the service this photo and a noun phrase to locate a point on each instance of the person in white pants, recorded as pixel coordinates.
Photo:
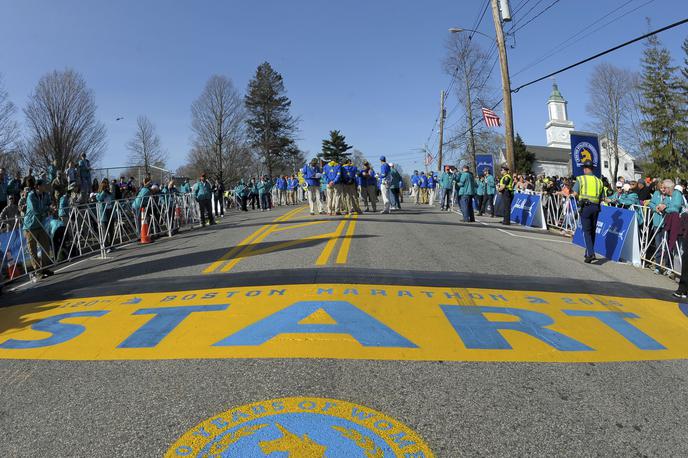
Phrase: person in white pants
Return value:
(311, 175)
(385, 170)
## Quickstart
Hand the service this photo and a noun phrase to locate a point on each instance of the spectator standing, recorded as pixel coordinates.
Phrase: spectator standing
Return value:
(446, 185)
(185, 188)
(4, 182)
(219, 194)
(202, 192)
(312, 174)
(490, 191)
(37, 209)
(394, 188)
(466, 193)
(85, 174)
(368, 187)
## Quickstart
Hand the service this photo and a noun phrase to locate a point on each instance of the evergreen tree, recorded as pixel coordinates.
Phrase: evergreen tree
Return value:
(664, 109)
(523, 159)
(335, 148)
(271, 127)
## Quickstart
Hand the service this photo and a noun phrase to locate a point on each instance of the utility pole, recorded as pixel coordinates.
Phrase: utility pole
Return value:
(506, 87)
(442, 116)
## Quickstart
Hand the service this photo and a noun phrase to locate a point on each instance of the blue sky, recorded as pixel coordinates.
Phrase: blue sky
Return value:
(372, 69)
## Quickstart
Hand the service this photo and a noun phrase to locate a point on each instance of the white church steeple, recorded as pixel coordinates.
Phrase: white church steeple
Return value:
(559, 125)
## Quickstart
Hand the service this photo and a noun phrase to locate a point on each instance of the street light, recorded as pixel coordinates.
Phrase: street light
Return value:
(506, 83)
(459, 30)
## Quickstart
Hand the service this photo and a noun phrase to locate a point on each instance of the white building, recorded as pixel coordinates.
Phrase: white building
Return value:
(555, 158)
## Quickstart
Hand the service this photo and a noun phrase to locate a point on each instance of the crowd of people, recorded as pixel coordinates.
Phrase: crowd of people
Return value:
(42, 202)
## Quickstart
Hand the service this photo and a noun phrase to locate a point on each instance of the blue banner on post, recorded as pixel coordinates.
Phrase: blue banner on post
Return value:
(526, 210)
(482, 162)
(584, 147)
(615, 234)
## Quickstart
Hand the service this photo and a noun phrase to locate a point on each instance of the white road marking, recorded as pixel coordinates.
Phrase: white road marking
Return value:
(534, 238)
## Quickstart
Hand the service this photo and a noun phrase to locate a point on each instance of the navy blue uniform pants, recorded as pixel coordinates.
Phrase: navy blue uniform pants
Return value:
(588, 218)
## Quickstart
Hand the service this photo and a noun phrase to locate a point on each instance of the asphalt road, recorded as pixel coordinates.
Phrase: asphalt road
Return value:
(529, 400)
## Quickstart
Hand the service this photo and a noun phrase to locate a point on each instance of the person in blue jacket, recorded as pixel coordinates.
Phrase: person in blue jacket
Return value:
(281, 186)
(350, 198)
(415, 187)
(202, 192)
(312, 175)
(292, 187)
(37, 210)
(368, 187)
(384, 178)
(490, 191)
(432, 184)
(333, 174)
(423, 188)
(466, 192)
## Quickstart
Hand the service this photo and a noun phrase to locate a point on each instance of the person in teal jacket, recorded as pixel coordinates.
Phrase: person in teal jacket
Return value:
(203, 192)
(37, 210)
(490, 191)
(446, 185)
(665, 201)
(185, 188)
(466, 184)
(241, 193)
(480, 193)
(264, 188)
(627, 199)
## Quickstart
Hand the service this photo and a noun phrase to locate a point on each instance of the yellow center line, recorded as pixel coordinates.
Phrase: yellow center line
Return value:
(343, 255)
(327, 251)
(215, 265)
(248, 249)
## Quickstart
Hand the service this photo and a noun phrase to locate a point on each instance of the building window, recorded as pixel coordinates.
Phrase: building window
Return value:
(626, 167)
(606, 164)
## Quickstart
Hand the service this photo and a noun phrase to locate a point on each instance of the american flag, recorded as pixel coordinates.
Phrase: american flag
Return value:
(429, 159)
(491, 118)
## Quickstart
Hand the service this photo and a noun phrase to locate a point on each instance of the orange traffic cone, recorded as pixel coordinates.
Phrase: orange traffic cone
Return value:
(145, 236)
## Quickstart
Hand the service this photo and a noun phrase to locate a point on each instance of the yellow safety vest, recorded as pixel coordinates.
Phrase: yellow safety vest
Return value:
(589, 188)
(507, 182)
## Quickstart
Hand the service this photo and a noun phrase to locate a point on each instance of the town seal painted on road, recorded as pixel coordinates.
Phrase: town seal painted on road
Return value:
(301, 427)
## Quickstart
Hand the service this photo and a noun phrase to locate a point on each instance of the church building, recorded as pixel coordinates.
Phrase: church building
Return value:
(555, 158)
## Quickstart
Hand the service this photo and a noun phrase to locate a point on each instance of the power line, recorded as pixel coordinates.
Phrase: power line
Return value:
(568, 43)
(519, 19)
(535, 17)
(600, 54)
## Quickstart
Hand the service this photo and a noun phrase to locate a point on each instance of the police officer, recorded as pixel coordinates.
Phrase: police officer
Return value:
(589, 190)
(506, 188)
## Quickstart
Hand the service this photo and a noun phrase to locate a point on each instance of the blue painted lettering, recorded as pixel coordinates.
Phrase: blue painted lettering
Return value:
(323, 291)
(404, 293)
(367, 330)
(477, 332)
(61, 332)
(253, 293)
(398, 438)
(618, 322)
(360, 414)
(279, 292)
(164, 321)
(376, 292)
(351, 291)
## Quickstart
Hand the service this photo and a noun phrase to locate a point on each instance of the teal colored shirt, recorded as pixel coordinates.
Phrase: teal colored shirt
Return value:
(480, 188)
(104, 200)
(141, 200)
(37, 208)
(673, 203)
(490, 186)
(466, 184)
(446, 180)
(202, 191)
(185, 188)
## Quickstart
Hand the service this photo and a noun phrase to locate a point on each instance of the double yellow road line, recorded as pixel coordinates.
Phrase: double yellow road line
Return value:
(247, 247)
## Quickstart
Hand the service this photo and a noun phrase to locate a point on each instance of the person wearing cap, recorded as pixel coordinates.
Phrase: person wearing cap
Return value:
(506, 189)
(202, 192)
(423, 188)
(292, 187)
(38, 209)
(432, 185)
(312, 174)
(589, 190)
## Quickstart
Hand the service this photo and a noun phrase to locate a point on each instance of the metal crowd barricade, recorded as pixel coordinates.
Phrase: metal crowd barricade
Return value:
(560, 213)
(656, 249)
(95, 228)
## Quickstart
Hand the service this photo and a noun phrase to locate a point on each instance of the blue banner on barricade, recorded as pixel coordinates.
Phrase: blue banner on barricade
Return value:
(484, 161)
(585, 147)
(526, 210)
(616, 235)
(11, 256)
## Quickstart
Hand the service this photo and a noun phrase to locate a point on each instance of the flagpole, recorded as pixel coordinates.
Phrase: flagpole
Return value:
(439, 153)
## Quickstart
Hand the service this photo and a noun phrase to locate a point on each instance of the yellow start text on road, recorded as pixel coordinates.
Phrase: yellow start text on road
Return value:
(348, 322)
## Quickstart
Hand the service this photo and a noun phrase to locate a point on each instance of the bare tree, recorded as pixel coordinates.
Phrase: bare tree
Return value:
(468, 64)
(144, 148)
(9, 130)
(610, 90)
(61, 120)
(217, 122)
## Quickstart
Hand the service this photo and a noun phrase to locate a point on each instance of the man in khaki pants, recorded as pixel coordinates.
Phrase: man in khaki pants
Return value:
(37, 209)
(311, 175)
(333, 175)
